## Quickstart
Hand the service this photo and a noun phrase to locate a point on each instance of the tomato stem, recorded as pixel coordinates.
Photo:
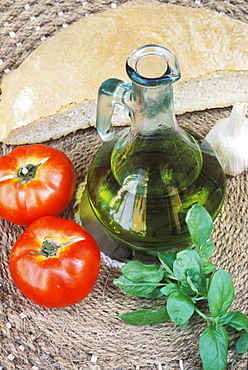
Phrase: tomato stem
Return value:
(27, 173)
(49, 248)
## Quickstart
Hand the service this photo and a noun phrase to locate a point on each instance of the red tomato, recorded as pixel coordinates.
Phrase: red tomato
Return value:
(35, 181)
(55, 262)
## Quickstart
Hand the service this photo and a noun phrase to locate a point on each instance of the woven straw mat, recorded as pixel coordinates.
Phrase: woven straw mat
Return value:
(89, 335)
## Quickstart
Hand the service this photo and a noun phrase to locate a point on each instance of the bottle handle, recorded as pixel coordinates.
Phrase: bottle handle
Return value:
(112, 92)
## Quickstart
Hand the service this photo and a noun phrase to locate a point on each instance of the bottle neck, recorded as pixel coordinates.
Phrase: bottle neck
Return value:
(155, 152)
(153, 110)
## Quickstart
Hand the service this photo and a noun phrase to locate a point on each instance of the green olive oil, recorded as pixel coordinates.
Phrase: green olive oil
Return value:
(145, 209)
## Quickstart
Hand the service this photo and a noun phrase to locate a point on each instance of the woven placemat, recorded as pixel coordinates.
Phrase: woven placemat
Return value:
(89, 335)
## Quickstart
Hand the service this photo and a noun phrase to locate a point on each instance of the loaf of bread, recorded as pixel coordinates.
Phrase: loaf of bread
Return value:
(54, 90)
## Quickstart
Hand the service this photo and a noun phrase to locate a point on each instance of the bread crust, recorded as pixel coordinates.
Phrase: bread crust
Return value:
(67, 69)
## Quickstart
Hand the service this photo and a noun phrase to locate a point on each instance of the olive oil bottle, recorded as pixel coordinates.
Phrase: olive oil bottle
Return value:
(144, 179)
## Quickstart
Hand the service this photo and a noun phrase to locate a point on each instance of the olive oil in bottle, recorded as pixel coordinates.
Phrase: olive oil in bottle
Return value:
(144, 179)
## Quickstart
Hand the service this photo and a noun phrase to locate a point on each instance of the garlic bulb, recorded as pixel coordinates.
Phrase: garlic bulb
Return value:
(229, 138)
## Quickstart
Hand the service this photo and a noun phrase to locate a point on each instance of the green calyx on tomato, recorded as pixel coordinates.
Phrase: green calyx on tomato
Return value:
(27, 173)
(50, 247)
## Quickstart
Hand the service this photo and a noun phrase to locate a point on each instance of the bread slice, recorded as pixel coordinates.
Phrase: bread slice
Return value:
(54, 90)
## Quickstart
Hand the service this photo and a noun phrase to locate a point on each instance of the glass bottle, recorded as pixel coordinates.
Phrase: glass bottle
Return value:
(143, 180)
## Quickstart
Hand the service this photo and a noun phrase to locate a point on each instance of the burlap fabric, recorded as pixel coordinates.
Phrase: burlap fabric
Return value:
(89, 335)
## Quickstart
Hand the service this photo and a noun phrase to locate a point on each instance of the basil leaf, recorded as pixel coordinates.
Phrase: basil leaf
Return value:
(200, 224)
(156, 293)
(167, 259)
(137, 271)
(186, 289)
(169, 288)
(213, 348)
(235, 319)
(196, 281)
(144, 317)
(180, 307)
(135, 288)
(208, 268)
(242, 343)
(221, 293)
(226, 317)
(206, 250)
(185, 260)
